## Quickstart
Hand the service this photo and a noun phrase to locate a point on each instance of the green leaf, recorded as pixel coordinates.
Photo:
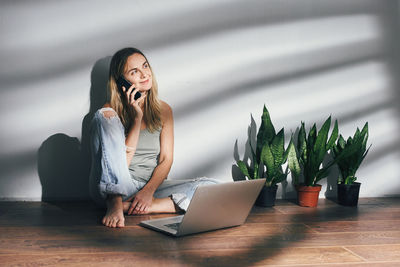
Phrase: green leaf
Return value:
(357, 134)
(256, 170)
(242, 166)
(260, 140)
(319, 148)
(349, 140)
(301, 143)
(266, 131)
(341, 142)
(350, 179)
(268, 159)
(280, 178)
(293, 162)
(251, 172)
(285, 155)
(333, 137)
(352, 153)
(312, 135)
(322, 173)
(277, 148)
(253, 155)
(364, 133)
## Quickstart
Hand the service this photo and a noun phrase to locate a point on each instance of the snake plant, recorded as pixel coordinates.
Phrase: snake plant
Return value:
(269, 155)
(311, 151)
(350, 154)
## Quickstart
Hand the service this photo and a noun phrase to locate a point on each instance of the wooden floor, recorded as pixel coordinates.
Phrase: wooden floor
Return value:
(70, 234)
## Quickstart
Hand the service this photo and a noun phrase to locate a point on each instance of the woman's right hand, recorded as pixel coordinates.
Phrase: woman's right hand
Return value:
(135, 104)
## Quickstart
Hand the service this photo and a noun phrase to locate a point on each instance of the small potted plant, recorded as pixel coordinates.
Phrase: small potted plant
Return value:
(349, 156)
(307, 160)
(267, 160)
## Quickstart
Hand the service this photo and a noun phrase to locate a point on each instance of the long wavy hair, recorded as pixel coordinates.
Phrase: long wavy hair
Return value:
(127, 114)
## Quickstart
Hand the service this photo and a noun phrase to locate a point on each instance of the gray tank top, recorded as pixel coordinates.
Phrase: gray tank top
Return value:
(146, 156)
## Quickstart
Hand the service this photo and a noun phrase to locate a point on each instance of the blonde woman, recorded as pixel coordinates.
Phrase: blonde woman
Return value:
(132, 143)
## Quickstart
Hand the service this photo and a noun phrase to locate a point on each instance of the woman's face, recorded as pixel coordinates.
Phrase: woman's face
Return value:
(137, 71)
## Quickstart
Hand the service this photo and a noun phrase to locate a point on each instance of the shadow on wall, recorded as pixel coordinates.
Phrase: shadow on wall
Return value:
(237, 174)
(64, 162)
(60, 168)
(98, 97)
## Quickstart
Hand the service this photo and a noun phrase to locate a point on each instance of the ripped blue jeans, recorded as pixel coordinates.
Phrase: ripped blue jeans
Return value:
(109, 170)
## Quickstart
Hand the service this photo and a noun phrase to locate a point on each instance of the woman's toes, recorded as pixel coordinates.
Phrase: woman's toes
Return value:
(120, 223)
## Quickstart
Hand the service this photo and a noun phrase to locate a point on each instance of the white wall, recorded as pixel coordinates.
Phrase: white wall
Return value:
(216, 63)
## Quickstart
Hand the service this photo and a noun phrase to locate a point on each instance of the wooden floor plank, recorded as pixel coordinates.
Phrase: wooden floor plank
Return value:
(196, 258)
(93, 259)
(324, 216)
(347, 264)
(72, 241)
(377, 252)
(70, 234)
(356, 226)
(73, 232)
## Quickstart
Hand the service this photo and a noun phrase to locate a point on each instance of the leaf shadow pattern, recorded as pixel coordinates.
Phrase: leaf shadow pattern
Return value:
(237, 175)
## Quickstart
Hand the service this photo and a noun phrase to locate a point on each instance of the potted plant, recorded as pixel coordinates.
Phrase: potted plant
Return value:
(307, 160)
(349, 156)
(267, 160)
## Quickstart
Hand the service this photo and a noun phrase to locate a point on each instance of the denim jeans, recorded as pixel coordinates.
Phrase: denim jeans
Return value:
(109, 170)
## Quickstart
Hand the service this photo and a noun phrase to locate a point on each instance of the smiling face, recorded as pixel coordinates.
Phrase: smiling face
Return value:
(138, 72)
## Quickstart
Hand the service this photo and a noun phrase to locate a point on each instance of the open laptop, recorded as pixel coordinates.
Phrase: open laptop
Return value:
(212, 207)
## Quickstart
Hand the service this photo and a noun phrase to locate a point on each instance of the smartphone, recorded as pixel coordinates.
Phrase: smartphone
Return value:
(123, 82)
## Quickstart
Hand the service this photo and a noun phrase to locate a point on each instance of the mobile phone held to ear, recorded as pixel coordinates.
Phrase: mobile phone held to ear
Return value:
(122, 82)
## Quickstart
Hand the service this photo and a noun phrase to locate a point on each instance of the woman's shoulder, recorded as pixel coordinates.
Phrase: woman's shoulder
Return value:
(165, 108)
(166, 111)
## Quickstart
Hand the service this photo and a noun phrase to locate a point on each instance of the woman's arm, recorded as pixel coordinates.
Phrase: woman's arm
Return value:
(132, 140)
(144, 197)
(133, 135)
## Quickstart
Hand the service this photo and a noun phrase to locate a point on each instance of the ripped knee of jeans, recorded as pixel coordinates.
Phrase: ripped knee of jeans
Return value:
(108, 113)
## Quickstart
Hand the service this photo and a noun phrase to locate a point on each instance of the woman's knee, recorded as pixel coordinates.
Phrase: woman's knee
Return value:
(108, 120)
(206, 180)
(108, 113)
(103, 115)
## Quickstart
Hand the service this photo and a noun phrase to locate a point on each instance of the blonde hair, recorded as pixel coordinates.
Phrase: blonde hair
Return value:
(152, 105)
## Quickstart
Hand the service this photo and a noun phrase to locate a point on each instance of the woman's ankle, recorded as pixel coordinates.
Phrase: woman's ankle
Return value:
(113, 200)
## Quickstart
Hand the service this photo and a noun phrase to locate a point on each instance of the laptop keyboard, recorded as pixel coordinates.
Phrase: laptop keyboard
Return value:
(174, 226)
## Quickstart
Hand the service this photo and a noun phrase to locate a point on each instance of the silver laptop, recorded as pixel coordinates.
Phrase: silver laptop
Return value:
(212, 207)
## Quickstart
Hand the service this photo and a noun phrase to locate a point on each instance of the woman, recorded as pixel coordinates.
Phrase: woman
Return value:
(132, 147)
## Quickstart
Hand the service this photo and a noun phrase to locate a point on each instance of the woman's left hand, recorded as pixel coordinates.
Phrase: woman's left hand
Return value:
(141, 203)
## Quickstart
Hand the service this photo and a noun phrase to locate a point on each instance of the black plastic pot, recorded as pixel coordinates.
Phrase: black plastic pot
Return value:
(267, 196)
(348, 194)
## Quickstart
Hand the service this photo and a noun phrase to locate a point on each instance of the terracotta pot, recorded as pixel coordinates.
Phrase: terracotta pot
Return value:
(308, 195)
(267, 196)
(348, 194)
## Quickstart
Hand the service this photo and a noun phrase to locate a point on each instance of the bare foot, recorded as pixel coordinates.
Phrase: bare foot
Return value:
(162, 205)
(114, 216)
(126, 205)
(159, 205)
